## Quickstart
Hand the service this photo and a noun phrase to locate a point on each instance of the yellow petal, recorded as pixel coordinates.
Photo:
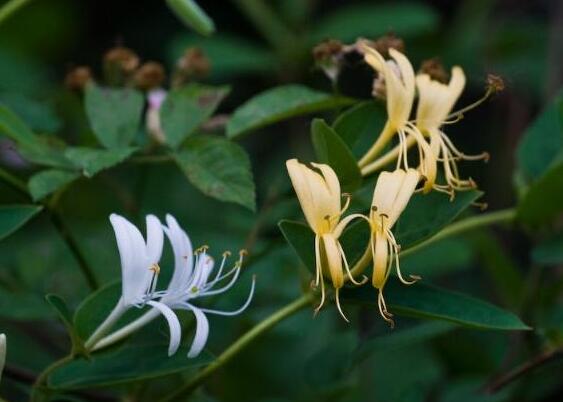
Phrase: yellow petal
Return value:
(332, 183)
(303, 191)
(380, 259)
(404, 195)
(386, 189)
(333, 259)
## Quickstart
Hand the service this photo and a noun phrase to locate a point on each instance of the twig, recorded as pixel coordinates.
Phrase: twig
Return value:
(517, 372)
(10, 8)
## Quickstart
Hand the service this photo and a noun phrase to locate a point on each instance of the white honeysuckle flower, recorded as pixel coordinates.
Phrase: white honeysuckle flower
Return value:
(155, 99)
(139, 272)
(192, 279)
(2, 353)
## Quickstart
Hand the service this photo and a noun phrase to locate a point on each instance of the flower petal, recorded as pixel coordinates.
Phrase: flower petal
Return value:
(173, 324)
(201, 333)
(155, 239)
(183, 254)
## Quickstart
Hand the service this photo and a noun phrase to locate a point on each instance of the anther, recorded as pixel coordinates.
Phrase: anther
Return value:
(155, 268)
(243, 252)
(226, 253)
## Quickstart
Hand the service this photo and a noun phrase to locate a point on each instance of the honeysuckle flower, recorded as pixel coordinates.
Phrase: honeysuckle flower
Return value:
(155, 99)
(392, 193)
(139, 273)
(2, 353)
(192, 279)
(436, 101)
(399, 78)
(318, 192)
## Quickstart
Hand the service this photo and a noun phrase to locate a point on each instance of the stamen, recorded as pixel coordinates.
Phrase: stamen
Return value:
(322, 299)
(383, 309)
(481, 205)
(364, 279)
(490, 90)
(339, 307)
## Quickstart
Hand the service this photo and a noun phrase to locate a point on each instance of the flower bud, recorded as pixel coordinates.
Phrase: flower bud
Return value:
(77, 78)
(149, 76)
(119, 64)
(386, 42)
(495, 83)
(193, 65)
(434, 68)
(155, 99)
(328, 56)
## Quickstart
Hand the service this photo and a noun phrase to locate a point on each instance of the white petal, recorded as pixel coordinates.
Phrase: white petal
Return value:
(2, 353)
(173, 324)
(155, 239)
(201, 333)
(183, 254)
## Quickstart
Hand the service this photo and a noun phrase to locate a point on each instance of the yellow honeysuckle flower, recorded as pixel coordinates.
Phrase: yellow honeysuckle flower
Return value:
(318, 191)
(390, 197)
(399, 78)
(436, 100)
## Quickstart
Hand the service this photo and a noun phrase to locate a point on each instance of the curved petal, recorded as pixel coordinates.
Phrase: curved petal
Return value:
(173, 324)
(201, 333)
(155, 239)
(183, 254)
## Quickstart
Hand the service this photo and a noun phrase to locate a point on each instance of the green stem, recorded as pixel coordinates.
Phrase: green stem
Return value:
(267, 22)
(67, 236)
(10, 8)
(13, 181)
(38, 391)
(236, 347)
(505, 215)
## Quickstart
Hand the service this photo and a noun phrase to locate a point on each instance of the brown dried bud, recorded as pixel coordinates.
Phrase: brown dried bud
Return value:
(435, 69)
(386, 42)
(150, 75)
(194, 64)
(327, 50)
(495, 83)
(122, 57)
(77, 78)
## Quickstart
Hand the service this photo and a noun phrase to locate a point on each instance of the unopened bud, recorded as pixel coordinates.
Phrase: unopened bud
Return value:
(495, 83)
(77, 78)
(193, 65)
(149, 76)
(328, 56)
(435, 69)
(119, 64)
(386, 42)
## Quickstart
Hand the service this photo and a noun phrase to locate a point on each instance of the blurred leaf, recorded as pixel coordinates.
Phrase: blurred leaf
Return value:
(186, 108)
(360, 125)
(13, 217)
(91, 160)
(48, 181)
(138, 361)
(228, 55)
(62, 310)
(543, 201)
(362, 20)
(219, 168)
(550, 251)
(192, 15)
(427, 214)
(30, 146)
(440, 258)
(280, 103)
(470, 389)
(23, 306)
(426, 301)
(402, 338)
(330, 149)
(542, 143)
(39, 116)
(114, 114)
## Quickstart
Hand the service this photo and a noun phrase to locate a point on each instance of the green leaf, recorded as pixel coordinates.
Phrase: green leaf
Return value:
(368, 20)
(40, 116)
(426, 301)
(13, 217)
(331, 150)
(62, 310)
(278, 104)
(114, 114)
(442, 257)
(427, 214)
(191, 14)
(550, 251)
(219, 168)
(543, 200)
(32, 147)
(48, 181)
(542, 144)
(360, 125)
(23, 306)
(91, 161)
(186, 108)
(229, 55)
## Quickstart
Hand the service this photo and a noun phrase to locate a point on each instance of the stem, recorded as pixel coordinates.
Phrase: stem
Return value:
(105, 326)
(13, 181)
(10, 8)
(386, 159)
(74, 249)
(505, 215)
(378, 145)
(236, 347)
(267, 22)
(37, 394)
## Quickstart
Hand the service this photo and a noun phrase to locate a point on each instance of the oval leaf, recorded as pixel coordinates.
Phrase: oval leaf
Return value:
(48, 181)
(91, 161)
(330, 149)
(278, 104)
(13, 217)
(191, 14)
(219, 168)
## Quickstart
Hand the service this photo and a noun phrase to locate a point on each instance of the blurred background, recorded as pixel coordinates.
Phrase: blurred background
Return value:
(301, 359)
